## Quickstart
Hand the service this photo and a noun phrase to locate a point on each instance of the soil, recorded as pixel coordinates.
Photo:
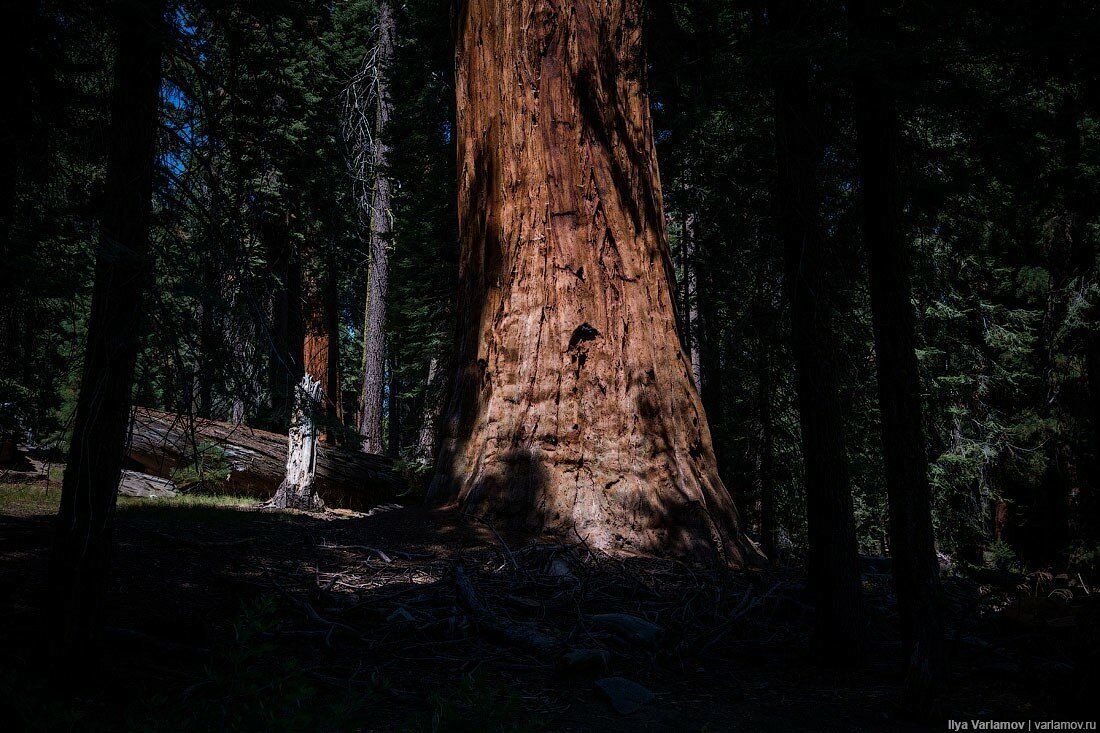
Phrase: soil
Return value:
(222, 618)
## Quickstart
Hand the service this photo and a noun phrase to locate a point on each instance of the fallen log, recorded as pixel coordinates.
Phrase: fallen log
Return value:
(144, 486)
(162, 441)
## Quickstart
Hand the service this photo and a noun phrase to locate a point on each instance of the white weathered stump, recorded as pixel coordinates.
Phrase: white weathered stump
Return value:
(297, 491)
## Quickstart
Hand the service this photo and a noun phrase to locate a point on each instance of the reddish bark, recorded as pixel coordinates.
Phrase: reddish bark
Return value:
(573, 409)
(320, 354)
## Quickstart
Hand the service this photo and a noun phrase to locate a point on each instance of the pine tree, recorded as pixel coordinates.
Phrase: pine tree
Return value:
(80, 558)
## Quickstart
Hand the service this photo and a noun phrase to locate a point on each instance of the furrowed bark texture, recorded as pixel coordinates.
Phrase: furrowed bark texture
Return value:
(832, 561)
(374, 328)
(912, 541)
(573, 410)
(80, 558)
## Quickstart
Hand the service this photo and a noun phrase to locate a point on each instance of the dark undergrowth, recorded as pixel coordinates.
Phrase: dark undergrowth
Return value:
(225, 617)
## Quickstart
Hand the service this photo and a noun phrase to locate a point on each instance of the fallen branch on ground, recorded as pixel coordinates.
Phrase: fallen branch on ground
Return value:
(511, 632)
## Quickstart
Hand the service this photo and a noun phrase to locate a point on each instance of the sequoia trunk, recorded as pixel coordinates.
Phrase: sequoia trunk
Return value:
(81, 552)
(573, 410)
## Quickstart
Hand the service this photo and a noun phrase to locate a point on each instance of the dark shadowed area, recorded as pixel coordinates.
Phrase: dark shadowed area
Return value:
(222, 616)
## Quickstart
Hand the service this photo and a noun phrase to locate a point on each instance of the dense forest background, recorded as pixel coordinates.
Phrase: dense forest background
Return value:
(260, 238)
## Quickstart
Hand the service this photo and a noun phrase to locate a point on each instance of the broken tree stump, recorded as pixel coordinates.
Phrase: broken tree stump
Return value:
(162, 441)
(298, 489)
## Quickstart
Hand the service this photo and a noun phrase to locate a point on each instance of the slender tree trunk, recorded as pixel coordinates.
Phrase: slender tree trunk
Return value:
(208, 343)
(433, 406)
(833, 563)
(330, 299)
(710, 349)
(769, 520)
(18, 26)
(287, 331)
(79, 561)
(381, 220)
(395, 404)
(691, 300)
(573, 411)
(912, 543)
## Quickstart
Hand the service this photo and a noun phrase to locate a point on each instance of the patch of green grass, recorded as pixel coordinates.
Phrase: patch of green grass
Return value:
(204, 501)
(23, 499)
(194, 508)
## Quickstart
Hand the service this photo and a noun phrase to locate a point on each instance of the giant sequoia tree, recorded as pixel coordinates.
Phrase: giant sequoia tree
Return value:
(573, 408)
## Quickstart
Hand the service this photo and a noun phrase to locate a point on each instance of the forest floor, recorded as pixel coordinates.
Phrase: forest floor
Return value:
(222, 616)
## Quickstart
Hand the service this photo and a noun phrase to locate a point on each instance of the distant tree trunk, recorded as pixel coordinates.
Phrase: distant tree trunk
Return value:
(298, 490)
(286, 333)
(1073, 470)
(769, 520)
(208, 340)
(1089, 506)
(912, 543)
(18, 21)
(395, 403)
(79, 561)
(573, 411)
(381, 220)
(433, 405)
(320, 346)
(833, 563)
(710, 347)
(691, 299)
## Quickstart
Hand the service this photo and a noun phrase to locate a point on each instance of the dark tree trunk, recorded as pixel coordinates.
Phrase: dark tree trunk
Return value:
(331, 303)
(912, 543)
(691, 299)
(433, 405)
(832, 563)
(287, 332)
(710, 349)
(573, 411)
(395, 404)
(769, 520)
(80, 558)
(209, 351)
